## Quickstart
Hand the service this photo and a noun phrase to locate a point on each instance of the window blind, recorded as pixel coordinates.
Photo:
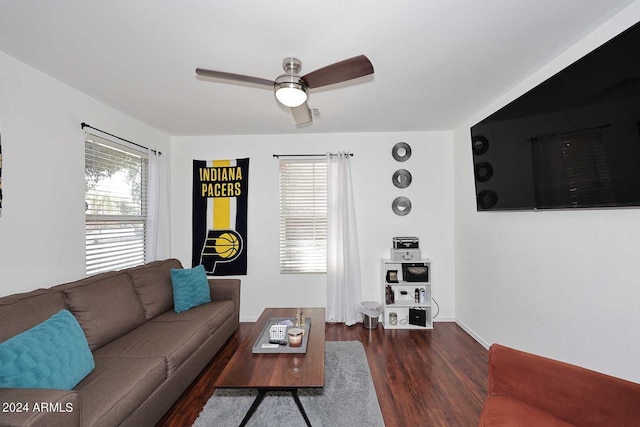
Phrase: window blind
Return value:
(115, 205)
(303, 215)
(587, 169)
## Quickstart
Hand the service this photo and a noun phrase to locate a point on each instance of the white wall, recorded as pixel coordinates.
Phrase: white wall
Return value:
(564, 284)
(372, 167)
(42, 223)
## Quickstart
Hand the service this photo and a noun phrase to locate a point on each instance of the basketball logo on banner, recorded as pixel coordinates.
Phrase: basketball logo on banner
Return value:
(220, 246)
(220, 216)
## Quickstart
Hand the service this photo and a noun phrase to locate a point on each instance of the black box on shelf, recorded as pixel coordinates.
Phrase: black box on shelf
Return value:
(418, 317)
(415, 272)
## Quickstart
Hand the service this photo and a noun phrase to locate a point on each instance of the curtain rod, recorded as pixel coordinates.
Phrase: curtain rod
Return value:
(84, 125)
(306, 155)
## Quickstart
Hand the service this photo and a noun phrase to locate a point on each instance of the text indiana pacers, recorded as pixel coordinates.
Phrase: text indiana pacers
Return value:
(221, 181)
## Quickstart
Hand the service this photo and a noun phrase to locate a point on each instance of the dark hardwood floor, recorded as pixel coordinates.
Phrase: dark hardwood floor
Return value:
(423, 378)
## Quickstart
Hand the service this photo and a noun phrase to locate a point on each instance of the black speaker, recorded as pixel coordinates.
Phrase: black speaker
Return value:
(483, 171)
(487, 199)
(417, 317)
(480, 145)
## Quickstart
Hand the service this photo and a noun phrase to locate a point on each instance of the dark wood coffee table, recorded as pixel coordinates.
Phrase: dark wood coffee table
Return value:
(278, 371)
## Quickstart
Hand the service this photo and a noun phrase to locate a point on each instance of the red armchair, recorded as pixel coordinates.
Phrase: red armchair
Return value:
(528, 390)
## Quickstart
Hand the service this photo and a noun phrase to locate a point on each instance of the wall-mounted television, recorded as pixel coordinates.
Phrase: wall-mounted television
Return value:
(573, 141)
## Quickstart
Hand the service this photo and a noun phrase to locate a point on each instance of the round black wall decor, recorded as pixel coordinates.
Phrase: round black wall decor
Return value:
(401, 206)
(401, 151)
(402, 178)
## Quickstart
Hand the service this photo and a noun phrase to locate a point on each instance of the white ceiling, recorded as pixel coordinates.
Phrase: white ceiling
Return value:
(436, 61)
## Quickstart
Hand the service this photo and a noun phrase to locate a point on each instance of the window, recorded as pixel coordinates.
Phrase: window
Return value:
(115, 205)
(303, 216)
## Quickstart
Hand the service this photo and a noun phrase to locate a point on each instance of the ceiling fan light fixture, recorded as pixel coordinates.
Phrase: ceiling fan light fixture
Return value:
(290, 88)
(290, 91)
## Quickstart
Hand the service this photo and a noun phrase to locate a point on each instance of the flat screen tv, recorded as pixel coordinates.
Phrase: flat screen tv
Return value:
(571, 142)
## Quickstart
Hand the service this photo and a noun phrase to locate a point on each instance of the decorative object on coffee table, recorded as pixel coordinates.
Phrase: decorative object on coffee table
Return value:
(295, 337)
(277, 332)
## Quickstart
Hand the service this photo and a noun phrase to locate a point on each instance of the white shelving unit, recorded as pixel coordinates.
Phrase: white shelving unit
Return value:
(404, 295)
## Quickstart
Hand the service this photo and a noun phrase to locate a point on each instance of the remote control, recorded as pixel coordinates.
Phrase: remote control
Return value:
(279, 342)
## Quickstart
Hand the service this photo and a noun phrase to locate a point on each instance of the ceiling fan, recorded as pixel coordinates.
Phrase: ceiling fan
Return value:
(291, 89)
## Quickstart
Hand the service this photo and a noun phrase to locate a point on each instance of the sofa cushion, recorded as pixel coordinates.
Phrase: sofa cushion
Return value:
(23, 311)
(53, 354)
(116, 387)
(190, 288)
(105, 305)
(152, 283)
(503, 411)
(173, 341)
(213, 314)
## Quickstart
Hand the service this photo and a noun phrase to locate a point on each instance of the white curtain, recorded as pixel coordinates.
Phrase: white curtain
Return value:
(344, 292)
(157, 238)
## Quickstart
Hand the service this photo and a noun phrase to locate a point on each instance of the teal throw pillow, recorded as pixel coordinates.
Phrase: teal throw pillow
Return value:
(54, 354)
(190, 288)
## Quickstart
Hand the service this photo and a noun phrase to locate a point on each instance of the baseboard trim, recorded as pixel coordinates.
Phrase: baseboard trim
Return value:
(471, 332)
(437, 319)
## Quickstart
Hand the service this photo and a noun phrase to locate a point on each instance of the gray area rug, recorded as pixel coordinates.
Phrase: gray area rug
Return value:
(347, 399)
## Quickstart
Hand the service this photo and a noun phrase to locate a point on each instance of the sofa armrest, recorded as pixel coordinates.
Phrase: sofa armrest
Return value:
(568, 392)
(226, 289)
(38, 407)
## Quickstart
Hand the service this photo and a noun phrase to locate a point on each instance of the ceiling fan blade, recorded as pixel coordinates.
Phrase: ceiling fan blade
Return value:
(231, 76)
(348, 69)
(302, 114)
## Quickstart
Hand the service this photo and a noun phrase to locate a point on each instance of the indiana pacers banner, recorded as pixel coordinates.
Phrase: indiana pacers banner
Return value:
(220, 216)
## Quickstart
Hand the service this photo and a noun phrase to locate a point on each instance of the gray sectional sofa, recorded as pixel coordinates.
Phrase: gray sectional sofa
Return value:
(145, 353)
